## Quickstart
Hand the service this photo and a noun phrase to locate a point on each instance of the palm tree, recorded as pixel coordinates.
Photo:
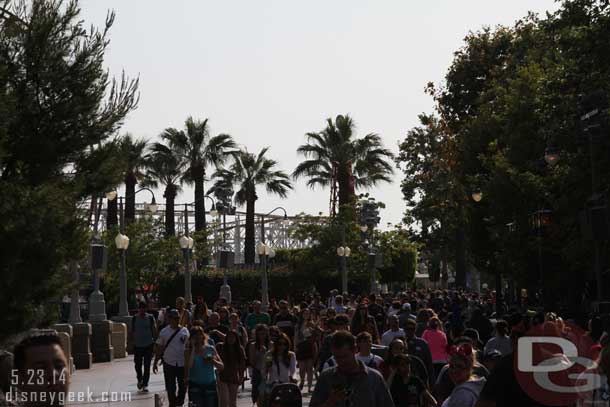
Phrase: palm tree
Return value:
(165, 167)
(360, 163)
(195, 146)
(133, 153)
(247, 172)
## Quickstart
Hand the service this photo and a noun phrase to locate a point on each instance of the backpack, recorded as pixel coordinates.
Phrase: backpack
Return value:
(151, 319)
(285, 395)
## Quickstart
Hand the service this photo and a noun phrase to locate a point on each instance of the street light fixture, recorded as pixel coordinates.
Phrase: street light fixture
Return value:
(264, 251)
(186, 244)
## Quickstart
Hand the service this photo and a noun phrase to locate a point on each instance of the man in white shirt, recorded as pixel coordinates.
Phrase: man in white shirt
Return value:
(170, 349)
(364, 341)
(394, 332)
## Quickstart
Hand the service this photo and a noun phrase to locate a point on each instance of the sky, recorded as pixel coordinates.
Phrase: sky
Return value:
(269, 71)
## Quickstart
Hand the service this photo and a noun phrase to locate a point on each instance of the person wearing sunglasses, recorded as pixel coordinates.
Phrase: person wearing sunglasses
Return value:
(467, 385)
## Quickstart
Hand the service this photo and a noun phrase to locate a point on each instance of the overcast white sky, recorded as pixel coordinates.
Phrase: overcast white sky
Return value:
(268, 71)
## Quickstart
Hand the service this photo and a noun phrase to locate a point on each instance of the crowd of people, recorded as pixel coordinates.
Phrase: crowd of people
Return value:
(409, 349)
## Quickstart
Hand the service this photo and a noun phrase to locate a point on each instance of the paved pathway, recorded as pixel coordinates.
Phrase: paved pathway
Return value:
(114, 384)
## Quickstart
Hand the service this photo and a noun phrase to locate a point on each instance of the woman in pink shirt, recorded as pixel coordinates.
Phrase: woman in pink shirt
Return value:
(437, 342)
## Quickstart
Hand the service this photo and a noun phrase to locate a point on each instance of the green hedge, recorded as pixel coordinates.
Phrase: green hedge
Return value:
(246, 285)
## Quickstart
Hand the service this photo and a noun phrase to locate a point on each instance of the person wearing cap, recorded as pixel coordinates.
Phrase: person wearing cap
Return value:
(419, 347)
(394, 332)
(170, 349)
(405, 314)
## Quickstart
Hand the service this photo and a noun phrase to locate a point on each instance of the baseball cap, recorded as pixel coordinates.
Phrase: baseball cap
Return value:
(173, 313)
(406, 306)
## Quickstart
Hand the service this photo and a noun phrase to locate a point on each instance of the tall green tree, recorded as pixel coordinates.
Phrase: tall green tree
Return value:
(360, 162)
(133, 153)
(165, 167)
(60, 110)
(248, 172)
(199, 150)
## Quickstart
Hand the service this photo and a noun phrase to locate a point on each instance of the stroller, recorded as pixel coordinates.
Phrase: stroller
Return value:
(285, 395)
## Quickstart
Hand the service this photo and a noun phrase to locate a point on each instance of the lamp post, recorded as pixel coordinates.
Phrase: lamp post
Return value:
(369, 218)
(343, 252)
(122, 243)
(186, 244)
(264, 251)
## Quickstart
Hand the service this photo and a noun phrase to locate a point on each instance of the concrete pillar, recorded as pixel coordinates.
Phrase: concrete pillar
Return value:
(127, 321)
(81, 345)
(119, 340)
(65, 335)
(101, 341)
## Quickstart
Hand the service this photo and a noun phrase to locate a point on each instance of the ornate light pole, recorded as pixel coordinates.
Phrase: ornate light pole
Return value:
(187, 244)
(122, 243)
(369, 218)
(264, 251)
(343, 252)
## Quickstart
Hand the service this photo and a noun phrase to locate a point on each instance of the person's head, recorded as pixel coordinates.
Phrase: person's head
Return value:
(342, 323)
(306, 314)
(281, 345)
(274, 333)
(410, 327)
(473, 334)
(261, 333)
(214, 319)
(461, 362)
(173, 318)
(402, 363)
(435, 323)
(223, 313)
(331, 313)
(199, 300)
(42, 353)
(393, 322)
(343, 347)
(364, 341)
(180, 303)
(197, 335)
(339, 300)
(362, 310)
(256, 306)
(142, 307)
(284, 307)
(234, 319)
(501, 327)
(397, 346)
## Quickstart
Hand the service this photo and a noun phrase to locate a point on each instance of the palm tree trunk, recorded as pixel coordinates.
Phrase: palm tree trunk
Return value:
(249, 253)
(130, 197)
(170, 196)
(112, 214)
(199, 201)
(346, 186)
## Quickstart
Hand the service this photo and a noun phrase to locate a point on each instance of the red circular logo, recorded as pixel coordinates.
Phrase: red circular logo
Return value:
(551, 363)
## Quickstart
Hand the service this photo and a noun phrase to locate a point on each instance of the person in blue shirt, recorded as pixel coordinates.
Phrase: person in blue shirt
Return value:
(200, 367)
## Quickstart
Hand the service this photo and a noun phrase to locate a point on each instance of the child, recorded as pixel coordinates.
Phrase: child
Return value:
(408, 390)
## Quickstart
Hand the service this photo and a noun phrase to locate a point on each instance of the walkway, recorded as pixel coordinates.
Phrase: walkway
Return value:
(114, 384)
